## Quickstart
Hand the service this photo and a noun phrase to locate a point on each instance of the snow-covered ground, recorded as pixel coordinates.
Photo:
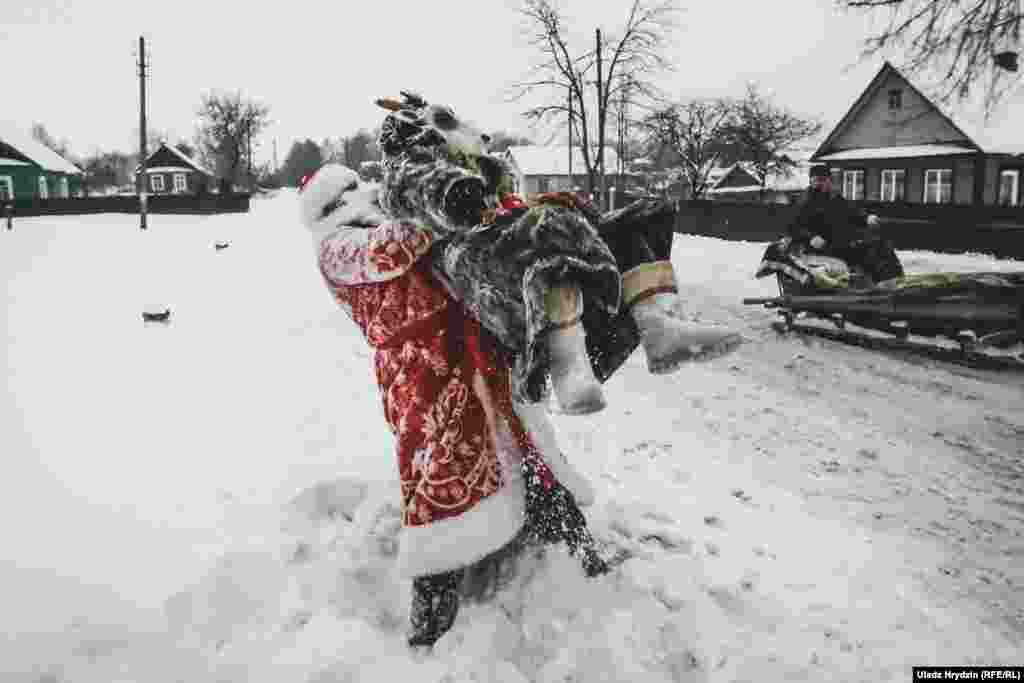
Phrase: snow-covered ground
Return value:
(212, 500)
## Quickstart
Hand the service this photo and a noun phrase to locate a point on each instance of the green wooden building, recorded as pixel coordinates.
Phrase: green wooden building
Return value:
(31, 170)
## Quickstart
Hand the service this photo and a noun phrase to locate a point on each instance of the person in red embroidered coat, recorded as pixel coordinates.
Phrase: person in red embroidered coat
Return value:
(479, 473)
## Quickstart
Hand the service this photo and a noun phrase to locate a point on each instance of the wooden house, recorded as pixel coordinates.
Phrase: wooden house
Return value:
(895, 145)
(546, 168)
(30, 170)
(739, 182)
(168, 170)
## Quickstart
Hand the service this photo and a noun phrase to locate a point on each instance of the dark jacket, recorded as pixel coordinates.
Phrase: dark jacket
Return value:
(847, 236)
(830, 217)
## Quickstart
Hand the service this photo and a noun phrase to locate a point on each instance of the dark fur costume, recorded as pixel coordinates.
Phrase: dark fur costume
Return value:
(501, 271)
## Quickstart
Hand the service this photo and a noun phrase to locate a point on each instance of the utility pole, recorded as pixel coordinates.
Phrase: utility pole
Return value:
(600, 123)
(622, 132)
(248, 133)
(141, 176)
(275, 156)
(570, 138)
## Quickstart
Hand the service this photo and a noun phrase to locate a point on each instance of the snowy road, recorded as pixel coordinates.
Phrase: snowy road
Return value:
(797, 511)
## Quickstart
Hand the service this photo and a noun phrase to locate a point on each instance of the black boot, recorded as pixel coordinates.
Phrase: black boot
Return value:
(435, 604)
(552, 516)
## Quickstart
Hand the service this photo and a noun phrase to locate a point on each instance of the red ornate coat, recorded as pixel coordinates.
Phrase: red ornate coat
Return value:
(445, 394)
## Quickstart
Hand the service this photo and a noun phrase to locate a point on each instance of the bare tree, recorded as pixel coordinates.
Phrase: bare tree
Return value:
(228, 122)
(695, 130)
(764, 132)
(41, 134)
(959, 42)
(628, 58)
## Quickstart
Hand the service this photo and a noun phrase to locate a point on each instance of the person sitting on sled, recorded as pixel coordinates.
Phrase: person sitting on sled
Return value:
(546, 275)
(828, 224)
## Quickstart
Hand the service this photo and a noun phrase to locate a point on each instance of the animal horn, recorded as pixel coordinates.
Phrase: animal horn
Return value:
(389, 103)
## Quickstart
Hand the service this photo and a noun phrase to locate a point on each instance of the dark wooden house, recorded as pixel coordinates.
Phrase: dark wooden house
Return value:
(895, 145)
(168, 170)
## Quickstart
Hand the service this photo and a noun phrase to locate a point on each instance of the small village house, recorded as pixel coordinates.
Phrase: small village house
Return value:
(546, 168)
(739, 182)
(168, 170)
(896, 145)
(31, 170)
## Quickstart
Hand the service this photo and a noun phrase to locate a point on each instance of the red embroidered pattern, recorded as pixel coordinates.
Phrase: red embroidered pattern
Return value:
(428, 351)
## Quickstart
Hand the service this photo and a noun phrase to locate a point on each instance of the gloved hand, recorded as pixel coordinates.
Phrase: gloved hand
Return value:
(464, 202)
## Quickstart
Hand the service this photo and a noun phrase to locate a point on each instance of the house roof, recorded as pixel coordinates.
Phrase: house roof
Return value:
(26, 145)
(866, 96)
(796, 179)
(897, 152)
(12, 162)
(188, 161)
(554, 159)
(164, 169)
(1003, 134)
(978, 134)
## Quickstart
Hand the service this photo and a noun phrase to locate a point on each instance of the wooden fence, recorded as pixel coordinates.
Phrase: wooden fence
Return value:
(155, 204)
(998, 231)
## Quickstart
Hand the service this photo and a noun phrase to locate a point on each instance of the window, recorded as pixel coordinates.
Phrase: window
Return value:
(543, 185)
(894, 182)
(1009, 187)
(6, 187)
(853, 185)
(180, 185)
(156, 182)
(44, 190)
(895, 99)
(938, 186)
(62, 188)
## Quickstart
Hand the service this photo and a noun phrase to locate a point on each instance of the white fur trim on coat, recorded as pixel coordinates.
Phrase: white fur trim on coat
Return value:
(457, 542)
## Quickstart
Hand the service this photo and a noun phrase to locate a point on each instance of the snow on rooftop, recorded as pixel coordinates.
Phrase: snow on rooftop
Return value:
(13, 135)
(167, 169)
(896, 152)
(187, 159)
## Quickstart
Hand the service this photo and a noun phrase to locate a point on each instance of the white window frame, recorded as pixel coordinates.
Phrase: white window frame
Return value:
(893, 174)
(62, 188)
(1015, 192)
(156, 182)
(44, 188)
(180, 182)
(850, 184)
(933, 178)
(8, 182)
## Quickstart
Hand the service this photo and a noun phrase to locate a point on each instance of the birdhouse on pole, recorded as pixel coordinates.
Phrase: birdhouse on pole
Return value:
(1007, 60)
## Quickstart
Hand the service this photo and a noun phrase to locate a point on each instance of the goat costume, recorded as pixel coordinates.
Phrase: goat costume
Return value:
(481, 475)
(530, 272)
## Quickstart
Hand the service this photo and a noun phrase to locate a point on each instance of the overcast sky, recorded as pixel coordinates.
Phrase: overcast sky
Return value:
(69, 64)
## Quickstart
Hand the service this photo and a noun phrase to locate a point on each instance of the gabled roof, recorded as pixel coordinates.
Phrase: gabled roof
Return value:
(740, 167)
(868, 94)
(27, 146)
(795, 180)
(554, 159)
(186, 160)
